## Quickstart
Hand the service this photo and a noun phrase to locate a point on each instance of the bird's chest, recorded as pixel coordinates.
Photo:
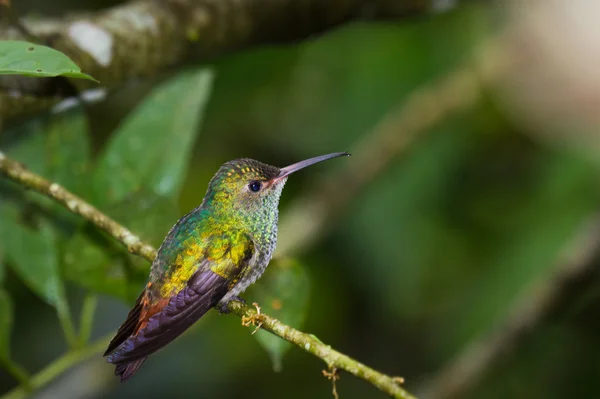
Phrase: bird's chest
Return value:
(265, 246)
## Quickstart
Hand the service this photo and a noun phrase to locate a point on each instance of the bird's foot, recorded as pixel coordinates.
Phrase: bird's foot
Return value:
(223, 308)
(257, 319)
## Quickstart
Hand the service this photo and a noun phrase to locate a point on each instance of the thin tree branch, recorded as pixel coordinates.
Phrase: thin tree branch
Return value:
(538, 302)
(19, 174)
(145, 37)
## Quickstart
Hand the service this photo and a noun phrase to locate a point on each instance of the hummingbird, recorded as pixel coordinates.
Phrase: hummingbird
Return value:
(209, 257)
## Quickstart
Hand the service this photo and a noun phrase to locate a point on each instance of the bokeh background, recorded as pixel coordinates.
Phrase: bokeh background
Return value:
(428, 256)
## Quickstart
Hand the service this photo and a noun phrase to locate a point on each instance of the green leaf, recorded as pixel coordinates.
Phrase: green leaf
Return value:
(26, 144)
(153, 145)
(2, 260)
(6, 321)
(282, 293)
(33, 256)
(148, 215)
(101, 265)
(98, 265)
(56, 146)
(28, 59)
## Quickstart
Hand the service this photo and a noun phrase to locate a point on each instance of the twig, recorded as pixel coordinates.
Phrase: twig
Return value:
(539, 302)
(16, 172)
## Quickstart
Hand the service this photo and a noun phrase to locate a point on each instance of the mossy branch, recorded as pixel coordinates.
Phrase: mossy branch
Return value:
(21, 175)
(144, 38)
(312, 345)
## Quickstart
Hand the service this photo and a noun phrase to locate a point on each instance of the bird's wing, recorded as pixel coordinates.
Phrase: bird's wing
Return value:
(155, 321)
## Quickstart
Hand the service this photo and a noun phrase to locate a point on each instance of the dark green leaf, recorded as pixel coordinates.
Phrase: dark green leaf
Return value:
(6, 321)
(26, 143)
(153, 145)
(68, 150)
(33, 256)
(282, 293)
(55, 146)
(100, 264)
(2, 259)
(97, 264)
(24, 58)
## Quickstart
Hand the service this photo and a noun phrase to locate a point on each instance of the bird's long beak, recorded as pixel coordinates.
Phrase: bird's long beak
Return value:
(288, 170)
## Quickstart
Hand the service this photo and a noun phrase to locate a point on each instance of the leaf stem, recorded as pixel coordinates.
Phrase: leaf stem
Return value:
(66, 321)
(58, 367)
(86, 320)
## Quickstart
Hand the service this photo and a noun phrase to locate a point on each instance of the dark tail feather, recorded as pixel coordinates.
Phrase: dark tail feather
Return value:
(182, 310)
(127, 329)
(127, 370)
(132, 345)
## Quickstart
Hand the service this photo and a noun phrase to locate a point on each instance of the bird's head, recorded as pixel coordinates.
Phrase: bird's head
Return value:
(251, 188)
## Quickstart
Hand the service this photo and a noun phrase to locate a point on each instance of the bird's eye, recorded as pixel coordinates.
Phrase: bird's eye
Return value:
(255, 186)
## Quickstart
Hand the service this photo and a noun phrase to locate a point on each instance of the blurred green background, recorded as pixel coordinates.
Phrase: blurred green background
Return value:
(427, 257)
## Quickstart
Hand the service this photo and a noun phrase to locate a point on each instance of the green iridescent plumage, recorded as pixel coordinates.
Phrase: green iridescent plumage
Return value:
(209, 257)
